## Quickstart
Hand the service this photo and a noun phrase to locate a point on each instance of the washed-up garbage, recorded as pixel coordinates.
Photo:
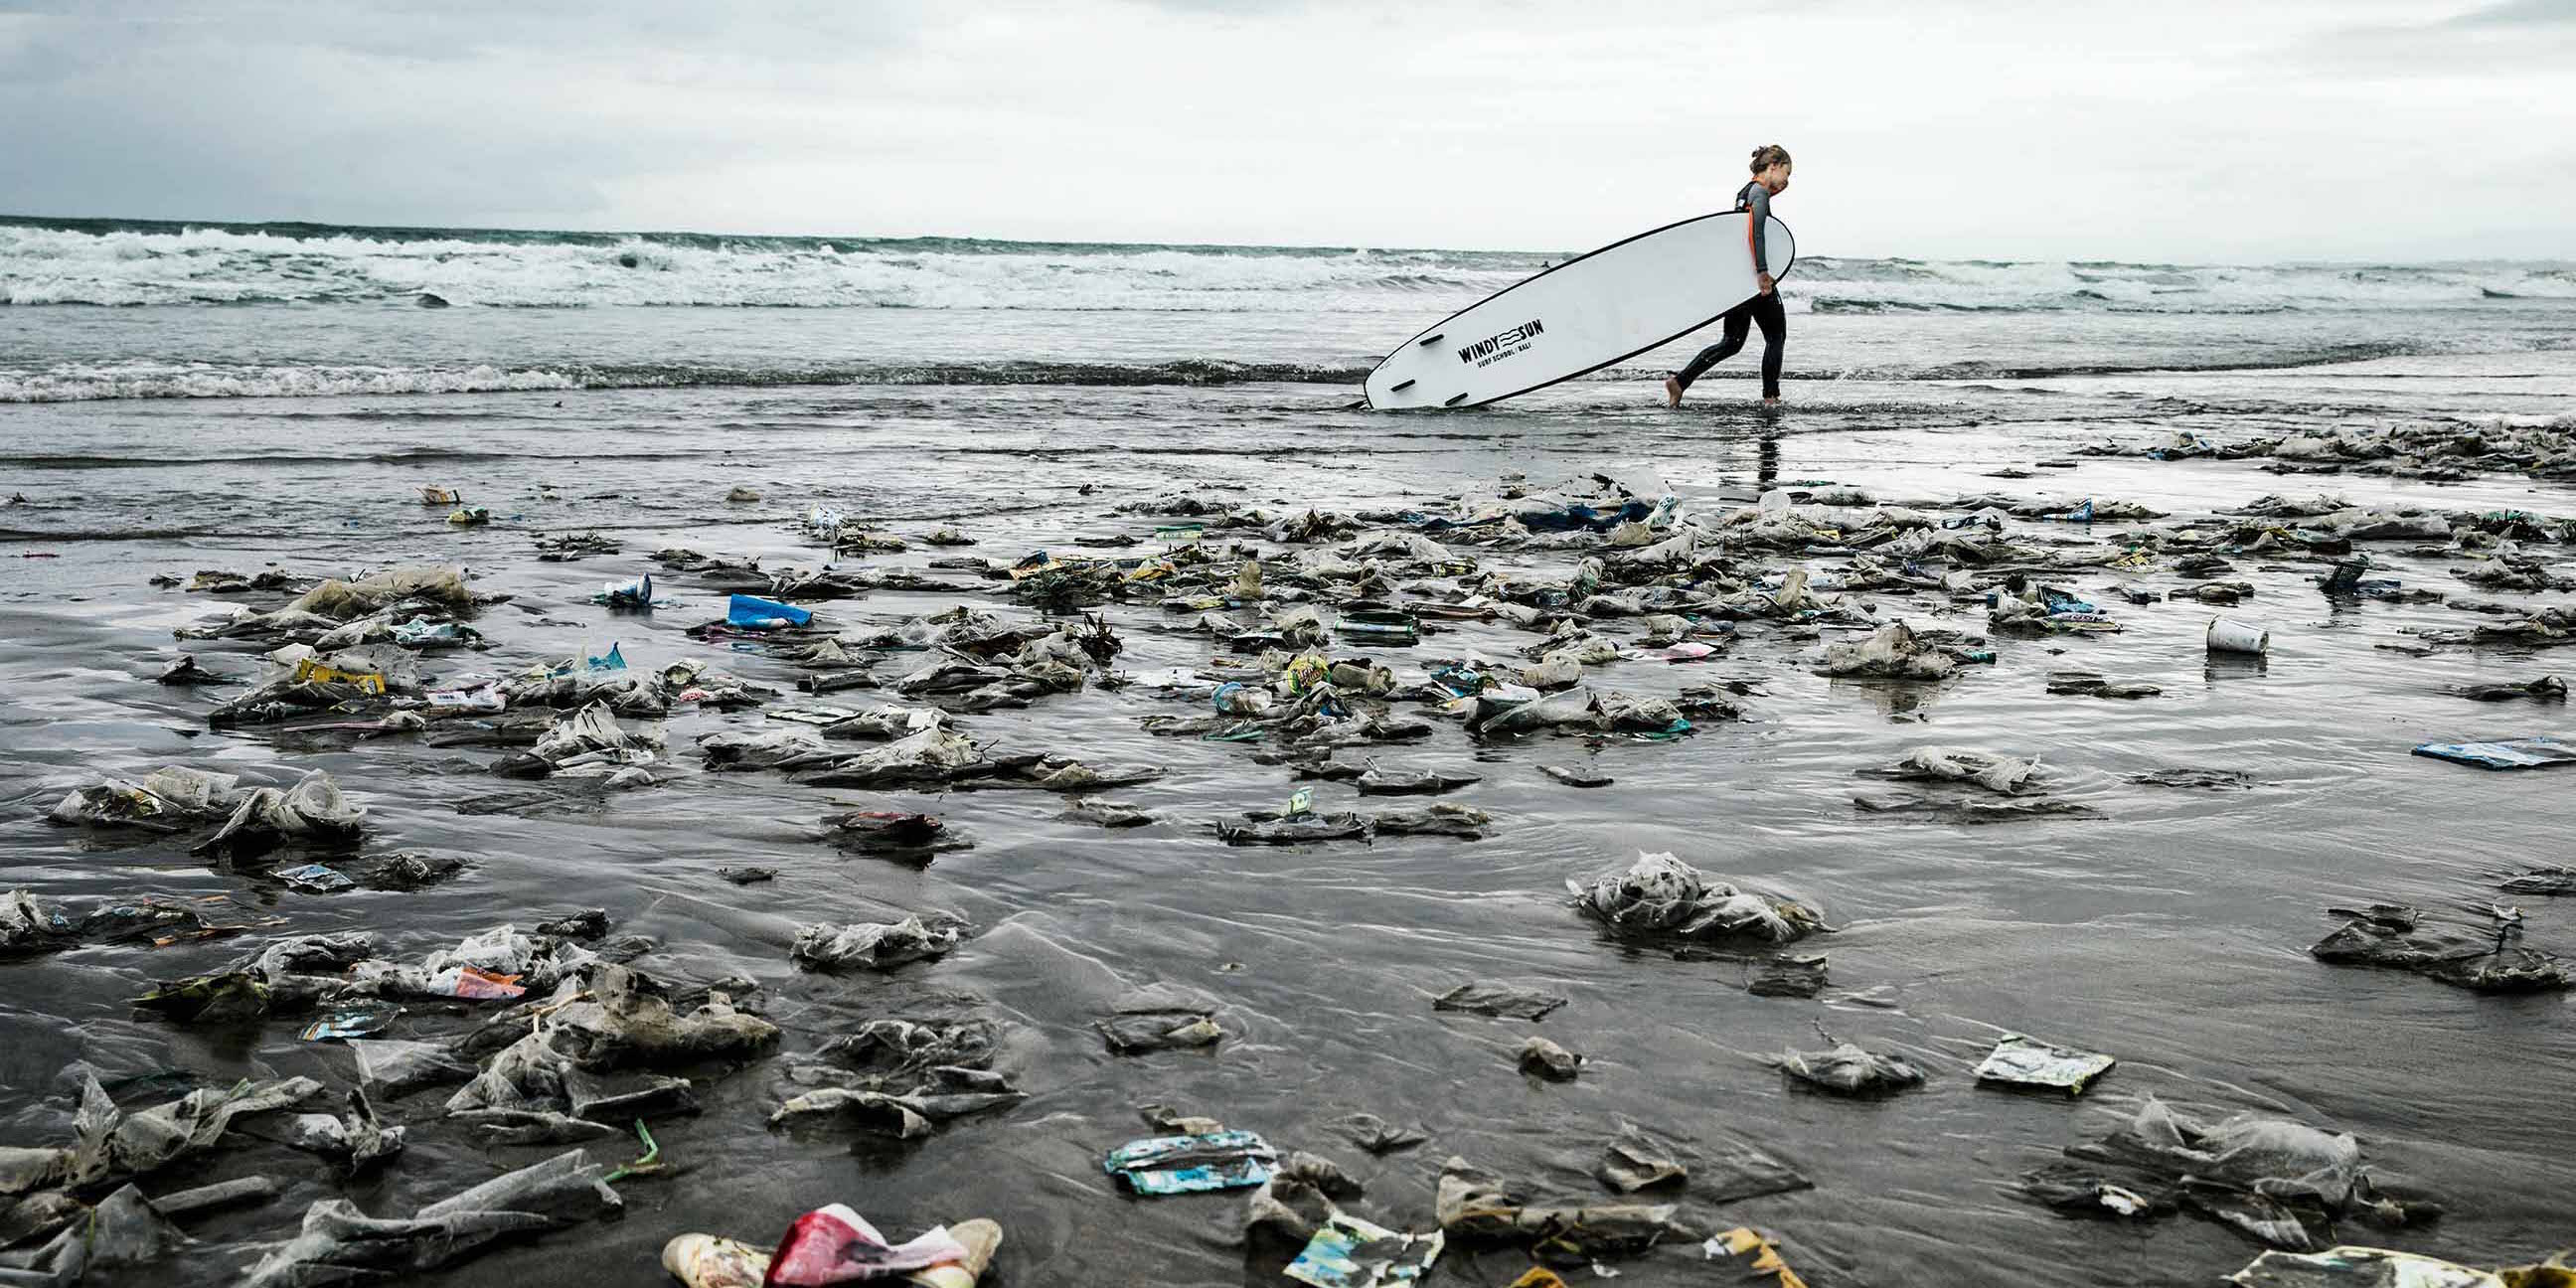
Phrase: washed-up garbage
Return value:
(1974, 812)
(1191, 1164)
(1351, 1253)
(314, 878)
(110, 1143)
(753, 613)
(2347, 1266)
(313, 811)
(1575, 775)
(835, 1245)
(2184, 776)
(392, 1068)
(359, 1140)
(1786, 976)
(890, 832)
(2023, 1062)
(1103, 813)
(1266, 827)
(2547, 688)
(340, 1026)
(170, 799)
(2513, 753)
(1756, 1253)
(1632, 1163)
(573, 545)
(1484, 997)
(2549, 880)
(1434, 820)
(1892, 653)
(2088, 684)
(588, 744)
(622, 1020)
(1396, 782)
(2005, 775)
(943, 1094)
(872, 945)
(1378, 1136)
(2228, 635)
(1659, 896)
(1161, 1018)
(1548, 1060)
(2284, 1183)
(340, 1244)
(1477, 1207)
(2489, 960)
(748, 874)
(1847, 1070)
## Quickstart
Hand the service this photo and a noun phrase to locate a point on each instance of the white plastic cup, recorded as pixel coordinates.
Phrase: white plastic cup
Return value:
(2228, 635)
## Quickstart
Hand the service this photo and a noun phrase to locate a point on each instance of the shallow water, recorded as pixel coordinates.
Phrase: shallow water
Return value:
(2170, 933)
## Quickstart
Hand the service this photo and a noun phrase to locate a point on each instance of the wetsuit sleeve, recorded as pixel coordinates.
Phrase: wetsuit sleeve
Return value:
(1757, 205)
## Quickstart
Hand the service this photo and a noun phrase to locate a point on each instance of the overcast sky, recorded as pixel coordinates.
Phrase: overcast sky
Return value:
(2415, 129)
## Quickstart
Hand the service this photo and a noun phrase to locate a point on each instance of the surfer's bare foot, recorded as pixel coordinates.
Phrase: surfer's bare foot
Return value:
(1672, 392)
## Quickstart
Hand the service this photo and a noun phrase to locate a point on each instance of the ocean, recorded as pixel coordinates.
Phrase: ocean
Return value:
(177, 398)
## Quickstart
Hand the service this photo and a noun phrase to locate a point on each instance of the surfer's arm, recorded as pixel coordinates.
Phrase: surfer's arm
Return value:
(1757, 217)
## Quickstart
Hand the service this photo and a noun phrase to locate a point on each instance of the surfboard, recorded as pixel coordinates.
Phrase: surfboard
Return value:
(1582, 315)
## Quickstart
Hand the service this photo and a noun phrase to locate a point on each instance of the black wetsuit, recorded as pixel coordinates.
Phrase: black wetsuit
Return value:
(1762, 310)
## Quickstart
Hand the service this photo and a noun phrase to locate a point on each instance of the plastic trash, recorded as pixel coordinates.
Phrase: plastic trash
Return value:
(1547, 1060)
(1847, 1070)
(2489, 959)
(2228, 635)
(1161, 1018)
(2346, 1266)
(834, 1245)
(357, 1023)
(636, 594)
(314, 878)
(871, 945)
(1661, 896)
(1755, 1253)
(750, 612)
(2018, 1061)
(1498, 1001)
(1242, 701)
(1191, 1164)
(1477, 1207)
(1348, 1252)
(341, 1244)
(391, 1068)
(2514, 753)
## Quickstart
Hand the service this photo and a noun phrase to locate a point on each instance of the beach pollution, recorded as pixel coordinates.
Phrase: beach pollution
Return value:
(1985, 703)
(1539, 618)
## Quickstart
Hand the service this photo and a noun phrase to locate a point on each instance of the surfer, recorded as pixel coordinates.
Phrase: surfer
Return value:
(1770, 179)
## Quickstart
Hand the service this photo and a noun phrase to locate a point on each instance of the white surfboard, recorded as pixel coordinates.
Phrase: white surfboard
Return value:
(1582, 315)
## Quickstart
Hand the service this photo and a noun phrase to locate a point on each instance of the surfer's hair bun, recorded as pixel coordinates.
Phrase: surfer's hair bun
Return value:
(1769, 155)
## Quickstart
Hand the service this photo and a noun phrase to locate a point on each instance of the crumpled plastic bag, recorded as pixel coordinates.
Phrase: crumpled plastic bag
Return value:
(392, 1067)
(111, 1143)
(1661, 895)
(342, 600)
(871, 945)
(1477, 1206)
(340, 1244)
(166, 800)
(313, 810)
(2001, 774)
(1892, 653)
(1847, 1070)
(834, 1245)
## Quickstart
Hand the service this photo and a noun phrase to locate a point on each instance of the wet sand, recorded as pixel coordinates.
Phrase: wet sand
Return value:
(2171, 932)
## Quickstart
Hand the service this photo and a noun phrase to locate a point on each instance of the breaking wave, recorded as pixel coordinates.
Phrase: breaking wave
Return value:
(126, 263)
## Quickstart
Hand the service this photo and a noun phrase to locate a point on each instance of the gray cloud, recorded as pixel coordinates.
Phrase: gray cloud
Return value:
(1933, 128)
